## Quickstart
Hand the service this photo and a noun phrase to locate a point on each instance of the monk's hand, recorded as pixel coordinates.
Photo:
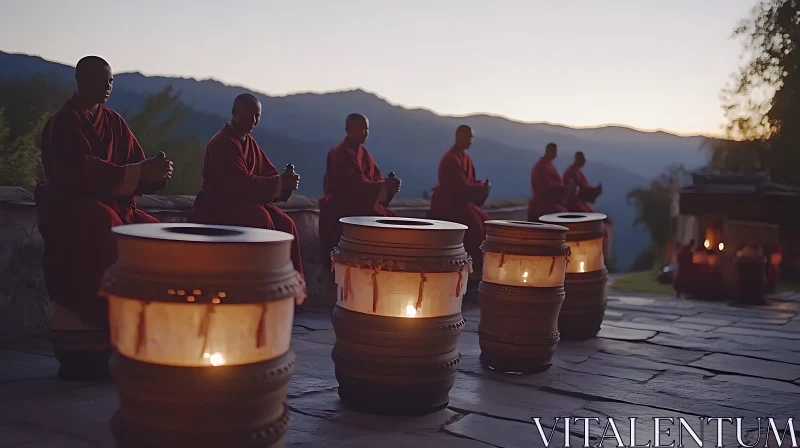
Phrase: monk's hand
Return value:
(290, 180)
(156, 169)
(393, 185)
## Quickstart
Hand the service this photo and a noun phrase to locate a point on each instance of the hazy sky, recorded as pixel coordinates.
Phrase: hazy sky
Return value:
(651, 64)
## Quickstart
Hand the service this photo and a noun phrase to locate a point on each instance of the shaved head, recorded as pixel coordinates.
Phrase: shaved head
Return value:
(357, 128)
(95, 80)
(551, 151)
(89, 66)
(580, 159)
(246, 113)
(245, 99)
(464, 136)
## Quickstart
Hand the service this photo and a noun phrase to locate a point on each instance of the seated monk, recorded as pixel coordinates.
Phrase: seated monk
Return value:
(240, 185)
(93, 169)
(548, 191)
(353, 185)
(585, 194)
(459, 195)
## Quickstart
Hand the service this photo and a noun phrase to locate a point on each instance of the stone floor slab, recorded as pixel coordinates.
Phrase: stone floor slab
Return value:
(507, 434)
(773, 334)
(647, 350)
(721, 362)
(17, 365)
(764, 383)
(608, 331)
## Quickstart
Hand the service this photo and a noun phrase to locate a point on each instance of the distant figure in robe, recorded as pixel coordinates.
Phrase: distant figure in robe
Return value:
(93, 169)
(240, 185)
(460, 195)
(548, 191)
(353, 185)
(586, 194)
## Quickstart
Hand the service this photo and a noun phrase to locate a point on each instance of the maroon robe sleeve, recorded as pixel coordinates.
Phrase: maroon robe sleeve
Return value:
(227, 158)
(352, 180)
(587, 192)
(72, 162)
(454, 178)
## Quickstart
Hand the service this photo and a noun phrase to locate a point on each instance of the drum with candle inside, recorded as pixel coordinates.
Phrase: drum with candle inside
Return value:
(201, 321)
(521, 294)
(397, 319)
(586, 278)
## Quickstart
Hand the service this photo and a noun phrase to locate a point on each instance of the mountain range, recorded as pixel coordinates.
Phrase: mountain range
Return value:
(301, 128)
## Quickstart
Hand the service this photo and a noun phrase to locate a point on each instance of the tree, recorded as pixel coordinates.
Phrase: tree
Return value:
(155, 128)
(21, 158)
(763, 104)
(26, 104)
(653, 208)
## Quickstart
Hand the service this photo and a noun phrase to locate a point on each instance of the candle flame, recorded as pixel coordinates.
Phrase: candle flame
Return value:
(411, 311)
(721, 246)
(707, 244)
(216, 359)
(581, 267)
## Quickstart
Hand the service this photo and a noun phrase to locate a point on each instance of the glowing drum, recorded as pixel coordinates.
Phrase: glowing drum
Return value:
(586, 278)
(201, 321)
(400, 282)
(521, 294)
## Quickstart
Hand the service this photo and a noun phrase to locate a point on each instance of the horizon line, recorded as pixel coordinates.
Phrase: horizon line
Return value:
(410, 108)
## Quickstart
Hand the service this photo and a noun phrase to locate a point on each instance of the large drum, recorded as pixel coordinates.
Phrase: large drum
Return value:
(586, 279)
(201, 321)
(400, 283)
(521, 295)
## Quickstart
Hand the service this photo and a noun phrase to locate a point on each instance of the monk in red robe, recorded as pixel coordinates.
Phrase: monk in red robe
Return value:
(353, 185)
(93, 169)
(586, 194)
(548, 191)
(240, 185)
(460, 195)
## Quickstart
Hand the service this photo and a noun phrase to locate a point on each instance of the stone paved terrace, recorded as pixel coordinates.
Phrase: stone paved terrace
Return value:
(655, 357)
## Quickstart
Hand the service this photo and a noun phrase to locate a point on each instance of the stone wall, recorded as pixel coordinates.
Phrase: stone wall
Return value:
(26, 311)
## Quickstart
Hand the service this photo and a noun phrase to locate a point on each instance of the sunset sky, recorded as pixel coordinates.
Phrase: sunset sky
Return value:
(648, 64)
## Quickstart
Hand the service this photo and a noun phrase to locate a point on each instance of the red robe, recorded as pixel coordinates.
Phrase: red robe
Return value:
(547, 191)
(238, 188)
(91, 177)
(351, 188)
(457, 199)
(586, 194)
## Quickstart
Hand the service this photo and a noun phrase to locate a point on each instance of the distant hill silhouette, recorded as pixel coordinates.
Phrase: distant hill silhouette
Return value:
(301, 128)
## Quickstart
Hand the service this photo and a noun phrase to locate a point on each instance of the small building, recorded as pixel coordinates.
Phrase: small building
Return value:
(724, 212)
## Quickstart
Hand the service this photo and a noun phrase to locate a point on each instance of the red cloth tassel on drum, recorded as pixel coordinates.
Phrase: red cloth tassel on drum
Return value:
(141, 329)
(552, 266)
(502, 259)
(261, 332)
(346, 287)
(375, 291)
(422, 281)
(205, 325)
(458, 285)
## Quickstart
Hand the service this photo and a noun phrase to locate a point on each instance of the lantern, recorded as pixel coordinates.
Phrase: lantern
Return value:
(521, 294)
(586, 278)
(201, 320)
(400, 283)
